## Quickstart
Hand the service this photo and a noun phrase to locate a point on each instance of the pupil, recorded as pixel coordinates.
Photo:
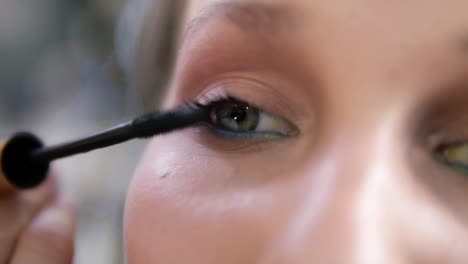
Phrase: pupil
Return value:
(235, 116)
(238, 113)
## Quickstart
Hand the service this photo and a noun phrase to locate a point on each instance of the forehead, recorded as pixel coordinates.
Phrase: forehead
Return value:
(425, 18)
(375, 48)
(429, 32)
(418, 9)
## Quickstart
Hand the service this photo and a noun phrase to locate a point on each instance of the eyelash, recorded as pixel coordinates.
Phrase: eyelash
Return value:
(211, 101)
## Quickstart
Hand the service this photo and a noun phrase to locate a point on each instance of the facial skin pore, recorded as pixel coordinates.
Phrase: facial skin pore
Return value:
(371, 86)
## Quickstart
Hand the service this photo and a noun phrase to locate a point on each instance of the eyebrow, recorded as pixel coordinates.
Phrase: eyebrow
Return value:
(247, 16)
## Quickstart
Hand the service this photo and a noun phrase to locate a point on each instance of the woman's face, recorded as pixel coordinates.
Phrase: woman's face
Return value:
(355, 154)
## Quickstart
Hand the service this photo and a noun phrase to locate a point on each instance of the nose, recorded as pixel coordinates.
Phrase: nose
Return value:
(346, 196)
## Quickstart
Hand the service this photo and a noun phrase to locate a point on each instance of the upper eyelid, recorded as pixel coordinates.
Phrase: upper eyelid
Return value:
(208, 99)
(265, 90)
(227, 86)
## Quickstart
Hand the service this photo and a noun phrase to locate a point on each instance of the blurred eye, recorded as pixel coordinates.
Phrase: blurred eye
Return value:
(455, 156)
(235, 118)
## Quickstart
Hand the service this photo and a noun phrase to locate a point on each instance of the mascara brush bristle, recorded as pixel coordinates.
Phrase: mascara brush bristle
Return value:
(156, 123)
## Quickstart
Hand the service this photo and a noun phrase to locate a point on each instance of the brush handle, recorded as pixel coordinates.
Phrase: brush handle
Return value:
(18, 169)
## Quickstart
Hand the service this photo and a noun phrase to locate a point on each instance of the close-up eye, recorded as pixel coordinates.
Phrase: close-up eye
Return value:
(234, 117)
(455, 156)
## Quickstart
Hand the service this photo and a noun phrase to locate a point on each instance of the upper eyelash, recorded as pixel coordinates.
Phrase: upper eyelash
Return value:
(209, 97)
(210, 100)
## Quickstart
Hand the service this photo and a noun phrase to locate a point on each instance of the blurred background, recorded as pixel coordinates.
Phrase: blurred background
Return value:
(64, 73)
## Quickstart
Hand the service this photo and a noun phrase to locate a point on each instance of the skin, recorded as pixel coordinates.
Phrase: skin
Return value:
(36, 226)
(372, 87)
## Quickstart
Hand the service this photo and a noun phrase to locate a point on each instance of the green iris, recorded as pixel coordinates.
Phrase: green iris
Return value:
(234, 116)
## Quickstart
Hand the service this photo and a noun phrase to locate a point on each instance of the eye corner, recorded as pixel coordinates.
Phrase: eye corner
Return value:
(453, 154)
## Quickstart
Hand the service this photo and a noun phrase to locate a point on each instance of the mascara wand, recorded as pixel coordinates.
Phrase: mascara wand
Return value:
(25, 161)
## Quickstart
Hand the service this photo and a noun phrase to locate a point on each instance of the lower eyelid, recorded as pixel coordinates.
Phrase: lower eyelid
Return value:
(253, 135)
(457, 167)
(209, 136)
(259, 135)
(225, 141)
(440, 158)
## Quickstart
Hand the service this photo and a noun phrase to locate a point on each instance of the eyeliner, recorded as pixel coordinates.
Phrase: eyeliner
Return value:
(25, 160)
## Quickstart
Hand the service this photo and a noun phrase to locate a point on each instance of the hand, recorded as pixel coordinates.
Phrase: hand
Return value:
(36, 226)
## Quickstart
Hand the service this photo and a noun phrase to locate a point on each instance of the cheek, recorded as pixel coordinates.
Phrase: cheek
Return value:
(177, 213)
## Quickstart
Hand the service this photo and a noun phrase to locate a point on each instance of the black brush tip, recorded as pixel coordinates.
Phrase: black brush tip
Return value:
(17, 164)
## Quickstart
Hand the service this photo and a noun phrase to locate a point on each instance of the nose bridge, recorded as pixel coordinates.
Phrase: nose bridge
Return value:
(368, 199)
(339, 218)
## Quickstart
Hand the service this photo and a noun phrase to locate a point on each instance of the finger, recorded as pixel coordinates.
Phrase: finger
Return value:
(5, 187)
(49, 239)
(45, 193)
(21, 208)
(17, 211)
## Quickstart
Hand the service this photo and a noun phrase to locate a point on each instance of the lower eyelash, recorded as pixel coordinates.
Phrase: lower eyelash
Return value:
(462, 168)
(249, 134)
(233, 134)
